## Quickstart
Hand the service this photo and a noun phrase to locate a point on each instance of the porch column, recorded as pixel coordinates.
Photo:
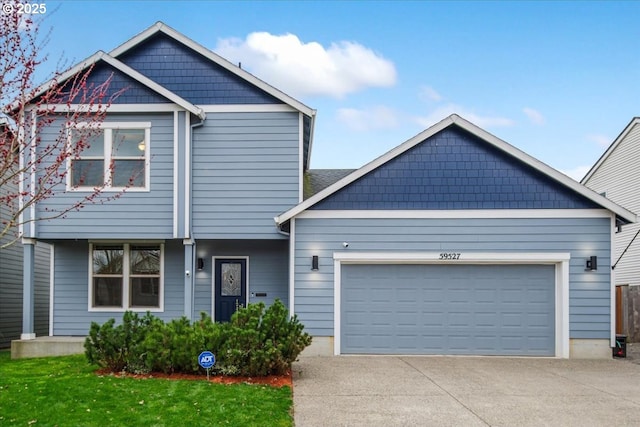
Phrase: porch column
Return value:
(28, 286)
(188, 277)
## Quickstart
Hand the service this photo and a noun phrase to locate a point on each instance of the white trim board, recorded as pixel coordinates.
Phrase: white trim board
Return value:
(635, 121)
(455, 214)
(160, 27)
(454, 119)
(118, 65)
(248, 108)
(113, 108)
(559, 259)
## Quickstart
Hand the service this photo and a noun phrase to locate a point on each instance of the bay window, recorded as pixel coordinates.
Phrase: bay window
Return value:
(126, 276)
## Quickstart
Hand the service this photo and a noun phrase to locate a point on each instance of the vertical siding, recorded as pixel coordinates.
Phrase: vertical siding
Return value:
(142, 214)
(245, 172)
(268, 270)
(71, 293)
(619, 178)
(589, 292)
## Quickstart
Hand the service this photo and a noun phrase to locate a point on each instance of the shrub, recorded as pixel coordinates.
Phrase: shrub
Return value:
(255, 342)
(119, 348)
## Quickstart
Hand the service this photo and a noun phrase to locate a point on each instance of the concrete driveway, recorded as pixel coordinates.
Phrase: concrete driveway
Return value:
(464, 391)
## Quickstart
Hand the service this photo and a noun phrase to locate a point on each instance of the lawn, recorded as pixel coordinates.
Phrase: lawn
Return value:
(65, 391)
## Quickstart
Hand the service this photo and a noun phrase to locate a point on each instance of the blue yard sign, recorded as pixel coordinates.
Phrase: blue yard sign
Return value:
(206, 360)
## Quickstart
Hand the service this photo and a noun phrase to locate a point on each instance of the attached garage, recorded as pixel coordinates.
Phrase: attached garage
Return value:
(453, 243)
(448, 309)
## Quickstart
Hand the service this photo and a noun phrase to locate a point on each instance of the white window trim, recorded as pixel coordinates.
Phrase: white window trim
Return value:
(125, 283)
(108, 128)
(560, 260)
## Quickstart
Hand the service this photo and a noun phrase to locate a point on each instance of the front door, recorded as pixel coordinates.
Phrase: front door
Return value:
(230, 287)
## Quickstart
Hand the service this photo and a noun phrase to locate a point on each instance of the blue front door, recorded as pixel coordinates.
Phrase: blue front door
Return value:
(230, 287)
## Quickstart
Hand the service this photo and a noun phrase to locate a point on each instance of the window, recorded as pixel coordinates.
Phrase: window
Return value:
(126, 276)
(115, 156)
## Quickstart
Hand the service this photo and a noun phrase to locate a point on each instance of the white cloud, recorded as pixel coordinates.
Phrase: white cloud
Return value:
(576, 173)
(601, 140)
(378, 117)
(300, 68)
(482, 121)
(534, 116)
(428, 93)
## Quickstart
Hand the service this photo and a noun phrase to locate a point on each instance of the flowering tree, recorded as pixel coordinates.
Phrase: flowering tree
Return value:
(32, 169)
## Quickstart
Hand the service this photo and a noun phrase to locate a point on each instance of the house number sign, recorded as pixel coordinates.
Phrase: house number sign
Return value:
(450, 256)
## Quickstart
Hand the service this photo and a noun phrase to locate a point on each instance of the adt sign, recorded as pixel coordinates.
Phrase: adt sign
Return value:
(206, 359)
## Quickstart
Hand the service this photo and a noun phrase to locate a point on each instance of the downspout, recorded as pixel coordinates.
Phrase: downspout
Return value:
(192, 261)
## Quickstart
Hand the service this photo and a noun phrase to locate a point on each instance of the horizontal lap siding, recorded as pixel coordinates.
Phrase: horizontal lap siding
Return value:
(245, 172)
(589, 292)
(619, 178)
(11, 285)
(139, 214)
(268, 270)
(71, 299)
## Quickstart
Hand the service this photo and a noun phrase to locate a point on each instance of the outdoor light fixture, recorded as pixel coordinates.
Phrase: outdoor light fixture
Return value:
(592, 263)
(314, 263)
(200, 263)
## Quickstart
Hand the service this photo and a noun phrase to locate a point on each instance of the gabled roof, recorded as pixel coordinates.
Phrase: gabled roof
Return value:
(108, 59)
(160, 27)
(611, 149)
(479, 133)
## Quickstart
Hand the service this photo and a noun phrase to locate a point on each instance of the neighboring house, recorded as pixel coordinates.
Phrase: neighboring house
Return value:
(452, 243)
(616, 175)
(11, 279)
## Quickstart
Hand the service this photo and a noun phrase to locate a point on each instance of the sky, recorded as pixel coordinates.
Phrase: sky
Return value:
(558, 80)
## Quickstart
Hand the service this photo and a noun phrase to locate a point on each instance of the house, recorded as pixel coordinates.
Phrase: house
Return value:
(11, 276)
(616, 176)
(454, 242)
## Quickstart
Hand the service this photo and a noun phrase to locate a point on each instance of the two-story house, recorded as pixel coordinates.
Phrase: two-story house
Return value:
(12, 267)
(616, 176)
(454, 242)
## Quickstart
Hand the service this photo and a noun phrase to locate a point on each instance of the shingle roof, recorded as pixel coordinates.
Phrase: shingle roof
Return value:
(316, 180)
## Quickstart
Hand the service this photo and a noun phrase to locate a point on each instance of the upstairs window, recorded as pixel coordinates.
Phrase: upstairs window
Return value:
(114, 157)
(126, 277)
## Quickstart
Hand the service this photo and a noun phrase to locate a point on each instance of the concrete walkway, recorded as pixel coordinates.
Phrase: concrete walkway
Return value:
(464, 391)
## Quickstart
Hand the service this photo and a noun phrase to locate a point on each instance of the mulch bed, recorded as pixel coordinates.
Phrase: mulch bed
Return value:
(271, 380)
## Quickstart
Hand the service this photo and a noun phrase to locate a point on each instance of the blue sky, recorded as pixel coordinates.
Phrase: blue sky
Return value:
(559, 80)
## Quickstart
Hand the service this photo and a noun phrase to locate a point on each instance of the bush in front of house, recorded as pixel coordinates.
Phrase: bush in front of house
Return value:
(256, 342)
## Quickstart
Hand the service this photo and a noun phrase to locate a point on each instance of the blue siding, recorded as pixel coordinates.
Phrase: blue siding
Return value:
(268, 270)
(140, 214)
(133, 91)
(245, 172)
(11, 284)
(190, 75)
(71, 291)
(589, 304)
(454, 170)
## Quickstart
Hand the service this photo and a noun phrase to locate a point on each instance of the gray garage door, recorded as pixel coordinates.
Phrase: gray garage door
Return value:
(448, 309)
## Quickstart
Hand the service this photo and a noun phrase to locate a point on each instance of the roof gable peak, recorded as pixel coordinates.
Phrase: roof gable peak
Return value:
(487, 137)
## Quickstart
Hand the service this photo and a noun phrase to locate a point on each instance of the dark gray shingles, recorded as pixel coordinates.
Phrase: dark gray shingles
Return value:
(316, 180)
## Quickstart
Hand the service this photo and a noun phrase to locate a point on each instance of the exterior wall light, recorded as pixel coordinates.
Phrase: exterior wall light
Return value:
(314, 263)
(592, 263)
(200, 263)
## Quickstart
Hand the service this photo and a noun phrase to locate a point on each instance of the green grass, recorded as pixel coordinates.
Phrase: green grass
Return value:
(65, 391)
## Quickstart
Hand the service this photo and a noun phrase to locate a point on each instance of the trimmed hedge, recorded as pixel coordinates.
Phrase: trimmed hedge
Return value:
(256, 342)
